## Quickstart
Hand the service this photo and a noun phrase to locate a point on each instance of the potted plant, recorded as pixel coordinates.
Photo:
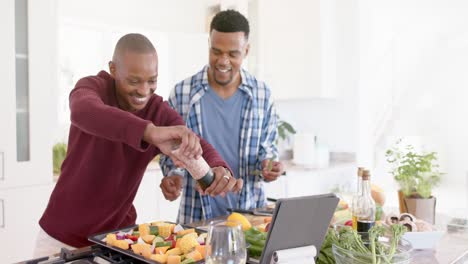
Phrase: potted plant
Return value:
(285, 130)
(416, 173)
(59, 152)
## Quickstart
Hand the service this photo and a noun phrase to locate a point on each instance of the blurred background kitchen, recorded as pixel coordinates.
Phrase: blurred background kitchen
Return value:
(351, 77)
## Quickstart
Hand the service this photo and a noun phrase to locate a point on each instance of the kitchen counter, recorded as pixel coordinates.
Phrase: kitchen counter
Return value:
(452, 248)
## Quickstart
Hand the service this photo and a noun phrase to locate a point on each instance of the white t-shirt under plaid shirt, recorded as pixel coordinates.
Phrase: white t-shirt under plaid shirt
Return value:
(257, 141)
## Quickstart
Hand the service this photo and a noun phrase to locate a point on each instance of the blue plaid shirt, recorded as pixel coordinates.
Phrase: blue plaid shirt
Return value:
(257, 141)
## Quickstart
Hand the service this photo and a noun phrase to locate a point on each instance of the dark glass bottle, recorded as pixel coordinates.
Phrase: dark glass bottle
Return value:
(356, 197)
(365, 211)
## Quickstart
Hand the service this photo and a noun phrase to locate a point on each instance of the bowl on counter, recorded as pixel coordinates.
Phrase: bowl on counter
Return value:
(345, 256)
(423, 240)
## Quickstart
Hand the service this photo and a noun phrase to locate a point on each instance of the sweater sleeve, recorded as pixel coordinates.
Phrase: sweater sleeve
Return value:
(212, 156)
(166, 163)
(90, 114)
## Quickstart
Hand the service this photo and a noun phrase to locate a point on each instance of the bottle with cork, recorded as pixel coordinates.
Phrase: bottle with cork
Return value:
(365, 211)
(354, 203)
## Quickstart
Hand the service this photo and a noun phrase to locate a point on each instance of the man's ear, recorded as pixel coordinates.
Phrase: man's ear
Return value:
(112, 69)
(247, 50)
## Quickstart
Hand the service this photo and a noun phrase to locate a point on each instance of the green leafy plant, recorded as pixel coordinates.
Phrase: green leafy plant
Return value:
(416, 173)
(285, 129)
(59, 152)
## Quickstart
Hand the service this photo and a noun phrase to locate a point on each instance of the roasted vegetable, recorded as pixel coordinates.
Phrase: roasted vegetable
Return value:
(153, 230)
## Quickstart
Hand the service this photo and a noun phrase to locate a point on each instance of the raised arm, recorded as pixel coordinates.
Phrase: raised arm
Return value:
(90, 114)
(269, 136)
(271, 167)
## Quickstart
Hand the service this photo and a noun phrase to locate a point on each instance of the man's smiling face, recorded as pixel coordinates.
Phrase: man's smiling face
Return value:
(227, 52)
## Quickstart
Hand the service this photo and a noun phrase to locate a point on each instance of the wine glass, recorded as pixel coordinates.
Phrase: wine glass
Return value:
(225, 243)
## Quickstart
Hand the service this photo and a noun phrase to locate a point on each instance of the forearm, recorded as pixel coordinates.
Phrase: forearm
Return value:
(268, 148)
(149, 135)
(91, 115)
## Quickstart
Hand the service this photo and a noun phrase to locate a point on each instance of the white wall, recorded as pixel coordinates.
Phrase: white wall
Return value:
(424, 46)
(334, 121)
(165, 16)
(87, 36)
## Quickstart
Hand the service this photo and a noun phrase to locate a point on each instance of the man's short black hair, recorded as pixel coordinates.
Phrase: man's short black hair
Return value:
(230, 21)
(133, 42)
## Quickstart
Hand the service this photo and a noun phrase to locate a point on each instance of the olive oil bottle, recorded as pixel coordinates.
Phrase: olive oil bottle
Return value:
(354, 202)
(365, 213)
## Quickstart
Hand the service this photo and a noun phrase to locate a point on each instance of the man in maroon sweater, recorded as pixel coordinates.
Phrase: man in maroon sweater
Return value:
(118, 125)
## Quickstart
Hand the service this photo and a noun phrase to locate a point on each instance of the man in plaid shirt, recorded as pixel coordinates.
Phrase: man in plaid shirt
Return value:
(233, 111)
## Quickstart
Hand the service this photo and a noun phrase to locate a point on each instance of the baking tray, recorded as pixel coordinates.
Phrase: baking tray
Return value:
(99, 237)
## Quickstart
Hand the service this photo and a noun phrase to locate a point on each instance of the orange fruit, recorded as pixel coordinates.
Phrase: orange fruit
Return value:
(241, 219)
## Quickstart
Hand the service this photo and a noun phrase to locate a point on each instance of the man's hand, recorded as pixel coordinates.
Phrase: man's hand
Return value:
(171, 186)
(271, 170)
(167, 138)
(223, 183)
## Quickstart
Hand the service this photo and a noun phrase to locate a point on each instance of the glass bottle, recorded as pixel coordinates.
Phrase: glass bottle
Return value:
(365, 206)
(354, 203)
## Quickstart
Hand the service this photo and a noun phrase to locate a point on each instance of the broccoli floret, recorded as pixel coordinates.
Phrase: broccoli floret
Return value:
(397, 231)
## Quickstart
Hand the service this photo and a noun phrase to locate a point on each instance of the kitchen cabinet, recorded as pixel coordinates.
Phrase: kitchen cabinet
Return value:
(28, 74)
(293, 47)
(28, 52)
(20, 210)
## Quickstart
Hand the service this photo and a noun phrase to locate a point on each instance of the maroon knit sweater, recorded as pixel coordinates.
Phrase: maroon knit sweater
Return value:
(105, 162)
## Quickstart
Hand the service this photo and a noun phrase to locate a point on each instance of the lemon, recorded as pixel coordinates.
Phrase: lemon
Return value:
(236, 217)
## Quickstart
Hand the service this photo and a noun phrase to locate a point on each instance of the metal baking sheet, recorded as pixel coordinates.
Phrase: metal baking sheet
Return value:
(99, 237)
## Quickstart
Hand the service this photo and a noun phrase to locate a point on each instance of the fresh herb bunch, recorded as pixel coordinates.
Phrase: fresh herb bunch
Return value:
(326, 254)
(373, 251)
(59, 152)
(269, 168)
(416, 173)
